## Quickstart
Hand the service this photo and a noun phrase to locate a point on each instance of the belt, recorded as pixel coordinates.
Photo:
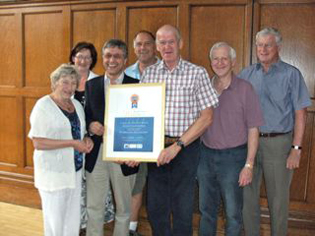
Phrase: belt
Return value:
(243, 146)
(271, 135)
(168, 140)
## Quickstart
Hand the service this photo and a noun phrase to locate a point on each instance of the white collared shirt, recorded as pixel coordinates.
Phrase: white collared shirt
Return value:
(119, 80)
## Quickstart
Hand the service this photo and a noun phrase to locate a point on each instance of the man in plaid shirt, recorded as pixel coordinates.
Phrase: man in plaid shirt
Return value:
(188, 112)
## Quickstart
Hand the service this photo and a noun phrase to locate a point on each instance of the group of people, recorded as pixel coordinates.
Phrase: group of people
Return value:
(227, 131)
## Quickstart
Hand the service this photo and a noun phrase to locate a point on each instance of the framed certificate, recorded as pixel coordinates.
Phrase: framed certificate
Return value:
(134, 122)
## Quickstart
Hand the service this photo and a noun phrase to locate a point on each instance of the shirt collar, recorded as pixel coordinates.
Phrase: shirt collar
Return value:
(135, 67)
(276, 64)
(180, 65)
(232, 85)
(233, 82)
(119, 80)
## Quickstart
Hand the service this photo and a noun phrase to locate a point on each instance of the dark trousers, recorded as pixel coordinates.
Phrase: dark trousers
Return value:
(171, 192)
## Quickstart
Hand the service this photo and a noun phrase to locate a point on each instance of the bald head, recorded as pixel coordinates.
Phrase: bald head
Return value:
(169, 29)
(169, 43)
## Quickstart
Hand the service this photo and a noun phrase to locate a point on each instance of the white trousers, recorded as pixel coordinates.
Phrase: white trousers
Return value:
(61, 210)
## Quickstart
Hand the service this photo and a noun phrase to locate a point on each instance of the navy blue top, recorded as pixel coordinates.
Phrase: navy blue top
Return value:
(76, 134)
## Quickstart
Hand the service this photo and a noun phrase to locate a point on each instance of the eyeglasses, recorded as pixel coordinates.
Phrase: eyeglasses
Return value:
(265, 45)
(169, 42)
(82, 58)
(144, 44)
(114, 56)
(222, 60)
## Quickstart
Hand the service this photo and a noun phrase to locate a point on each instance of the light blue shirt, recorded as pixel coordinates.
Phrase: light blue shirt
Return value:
(133, 70)
(281, 91)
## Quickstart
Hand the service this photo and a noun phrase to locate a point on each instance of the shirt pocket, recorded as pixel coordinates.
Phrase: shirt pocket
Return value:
(181, 97)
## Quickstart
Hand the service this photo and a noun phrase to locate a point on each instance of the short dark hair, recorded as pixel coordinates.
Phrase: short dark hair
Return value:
(116, 43)
(143, 32)
(84, 45)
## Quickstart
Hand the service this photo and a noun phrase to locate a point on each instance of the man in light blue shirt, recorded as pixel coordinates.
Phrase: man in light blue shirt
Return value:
(144, 48)
(284, 98)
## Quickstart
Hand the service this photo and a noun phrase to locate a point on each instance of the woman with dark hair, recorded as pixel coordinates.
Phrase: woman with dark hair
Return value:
(84, 57)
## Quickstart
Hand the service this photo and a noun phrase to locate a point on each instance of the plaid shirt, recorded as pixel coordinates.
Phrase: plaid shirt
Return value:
(188, 91)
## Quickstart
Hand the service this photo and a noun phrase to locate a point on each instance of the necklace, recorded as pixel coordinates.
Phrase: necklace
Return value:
(65, 105)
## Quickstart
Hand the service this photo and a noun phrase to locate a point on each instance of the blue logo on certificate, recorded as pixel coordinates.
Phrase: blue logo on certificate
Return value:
(134, 134)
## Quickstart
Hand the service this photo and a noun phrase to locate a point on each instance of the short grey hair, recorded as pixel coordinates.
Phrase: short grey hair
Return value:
(116, 43)
(270, 31)
(62, 71)
(232, 52)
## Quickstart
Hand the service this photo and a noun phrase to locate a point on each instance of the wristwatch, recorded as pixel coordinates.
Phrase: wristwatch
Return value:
(180, 143)
(296, 147)
(249, 166)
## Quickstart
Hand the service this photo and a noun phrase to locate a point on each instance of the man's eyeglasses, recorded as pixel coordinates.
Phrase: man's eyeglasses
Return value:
(265, 45)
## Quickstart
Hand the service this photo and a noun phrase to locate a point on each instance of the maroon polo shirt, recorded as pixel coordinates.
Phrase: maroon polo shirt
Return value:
(238, 110)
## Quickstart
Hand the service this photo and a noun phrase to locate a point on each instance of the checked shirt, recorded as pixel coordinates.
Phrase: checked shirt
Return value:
(188, 91)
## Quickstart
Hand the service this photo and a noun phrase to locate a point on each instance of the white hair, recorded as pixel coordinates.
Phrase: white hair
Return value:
(270, 31)
(232, 52)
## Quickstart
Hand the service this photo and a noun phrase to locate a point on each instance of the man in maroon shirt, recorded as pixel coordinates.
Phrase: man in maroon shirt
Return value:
(229, 145)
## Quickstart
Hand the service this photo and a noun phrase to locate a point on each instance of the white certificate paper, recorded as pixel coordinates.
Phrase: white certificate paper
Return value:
(134, 122)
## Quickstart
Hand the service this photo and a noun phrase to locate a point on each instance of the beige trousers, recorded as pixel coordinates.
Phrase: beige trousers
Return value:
(105, 175)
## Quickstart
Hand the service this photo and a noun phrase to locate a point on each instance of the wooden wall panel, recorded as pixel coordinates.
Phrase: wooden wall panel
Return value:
(297, 25)
(310, 181)
(44, 40)
(309, 191)
(299, 186)
(9, 50)
(157, 16)
(38, 37)
(8, 136)
(95, 26)
(28, 104)
(211, 24)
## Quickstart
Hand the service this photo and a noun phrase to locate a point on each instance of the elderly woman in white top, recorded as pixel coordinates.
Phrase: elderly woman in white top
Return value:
(57, 132)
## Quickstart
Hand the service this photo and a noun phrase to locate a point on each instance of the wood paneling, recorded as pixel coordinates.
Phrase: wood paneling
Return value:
(223, 23)
(9, 130)
(9, 50)
(37, 37)
(158, 16)
(43, 41)
(297, 25)
(94, 26)
(28, 104)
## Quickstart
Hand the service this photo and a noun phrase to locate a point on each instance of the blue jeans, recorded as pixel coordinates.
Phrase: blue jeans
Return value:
(171, 192)
(218, 175)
